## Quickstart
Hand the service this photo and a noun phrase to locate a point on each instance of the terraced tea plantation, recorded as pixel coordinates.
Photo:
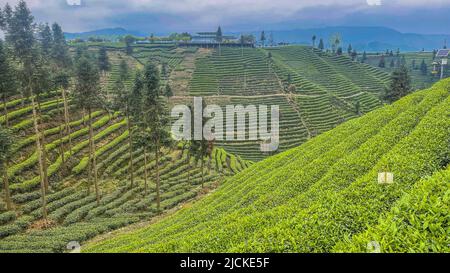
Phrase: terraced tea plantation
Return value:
(72, 209)
(324, 195)
(327, 89)
(315, 92)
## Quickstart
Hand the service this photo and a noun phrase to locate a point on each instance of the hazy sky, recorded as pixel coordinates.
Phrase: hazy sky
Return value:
(159, 16)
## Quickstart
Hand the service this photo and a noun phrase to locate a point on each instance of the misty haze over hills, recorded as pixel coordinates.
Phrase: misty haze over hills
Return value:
(362, 38)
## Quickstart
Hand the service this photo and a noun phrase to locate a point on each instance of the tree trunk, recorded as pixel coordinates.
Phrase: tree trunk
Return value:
(189, 168)
(84, 113)
(93, 157)
(203, 173)
(145, 170)
(5, 108)
(39, 154)
(158, 197)
(6, 184)
(61, 143)
(67, 119)
(44, 150)
(130, 144)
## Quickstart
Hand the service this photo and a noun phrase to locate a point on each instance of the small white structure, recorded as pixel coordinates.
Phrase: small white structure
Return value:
(74, 247)
(442, 55)
(385, 178)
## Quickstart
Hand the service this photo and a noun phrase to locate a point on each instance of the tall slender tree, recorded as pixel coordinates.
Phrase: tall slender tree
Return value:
(135, 119)
(19, 28)
(242, 40)
(263, 38)
(168, 91)
(60, 50)
(6, 144)
(87, 95)
(382, 63)
(156, 119)
(129, 40)
(423, 68)
(364, 57)
(124, 72)
(400, 85)
(46, 39)
(321, 45)
(103, 60)
(8, 84)
(201, 149)
(122, 102)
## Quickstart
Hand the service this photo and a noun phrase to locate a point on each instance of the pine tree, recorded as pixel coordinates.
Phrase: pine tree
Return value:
(41, 81)
(123, 99)
(354, 55)
(156, 119)
(46, 39)
(364, 57)
(168, 91)
(400, 85)
(382, 63)
(314, 38)
(403, 61)
(60, 50)
(124, 73)
(263, 38)
(87, 96)
(350, 49)
(392, 65)
(8, 84)
(219, 35)
(164, 70)
(18, 26)
(61, 81)
(103, 60)
(423, 68)
(6, 145)
(62, 69)
(135, 108)
(242, 40)
(321, 45)
(129, 40)
(200, 149)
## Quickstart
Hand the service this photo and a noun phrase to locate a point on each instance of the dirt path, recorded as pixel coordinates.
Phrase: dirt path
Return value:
(294, 105)
(179, 79)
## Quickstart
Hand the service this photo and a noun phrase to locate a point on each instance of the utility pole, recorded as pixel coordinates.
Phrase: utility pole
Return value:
(443, 64)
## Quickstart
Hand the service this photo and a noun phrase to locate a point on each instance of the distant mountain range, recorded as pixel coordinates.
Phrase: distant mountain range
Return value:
(107, 33)
(371, 39)
(364, 38)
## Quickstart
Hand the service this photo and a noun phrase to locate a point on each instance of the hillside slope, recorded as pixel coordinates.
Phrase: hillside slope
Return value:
(73, 212)
(315, 197)
(328, 89)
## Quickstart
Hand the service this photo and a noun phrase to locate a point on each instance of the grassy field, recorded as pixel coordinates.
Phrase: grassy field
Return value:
(323, 196)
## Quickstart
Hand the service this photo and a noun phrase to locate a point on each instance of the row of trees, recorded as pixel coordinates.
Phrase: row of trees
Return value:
(35, 58)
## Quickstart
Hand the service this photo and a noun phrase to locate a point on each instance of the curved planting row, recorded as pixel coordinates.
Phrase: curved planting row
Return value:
(314, 197)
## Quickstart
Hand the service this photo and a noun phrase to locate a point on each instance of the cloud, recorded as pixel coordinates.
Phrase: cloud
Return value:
(178, 15)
